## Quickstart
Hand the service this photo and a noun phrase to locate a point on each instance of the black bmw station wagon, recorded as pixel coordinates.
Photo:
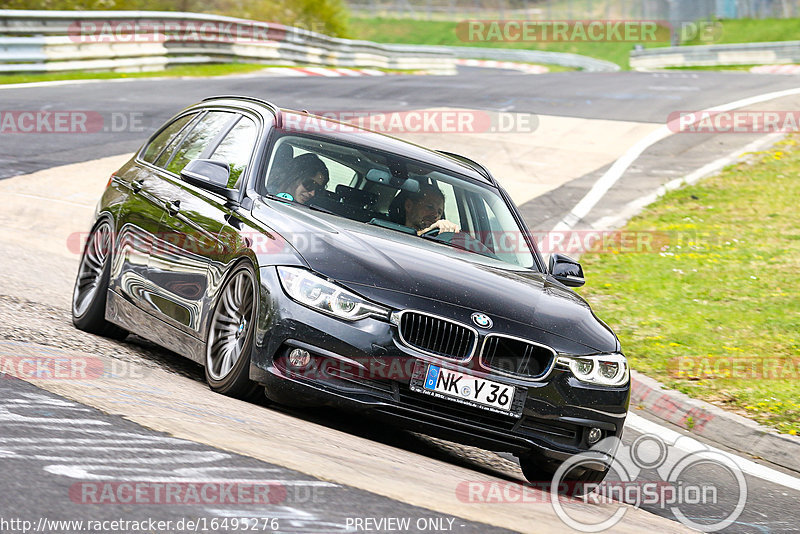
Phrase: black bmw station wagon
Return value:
(330, 265)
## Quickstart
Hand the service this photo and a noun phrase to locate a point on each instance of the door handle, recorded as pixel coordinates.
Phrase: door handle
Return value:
(174, 207)
(136, 186)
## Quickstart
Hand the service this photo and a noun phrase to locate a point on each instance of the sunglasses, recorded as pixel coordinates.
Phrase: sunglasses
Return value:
(310, 185)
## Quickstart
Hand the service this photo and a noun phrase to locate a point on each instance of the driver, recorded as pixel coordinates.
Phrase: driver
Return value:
(425, 209)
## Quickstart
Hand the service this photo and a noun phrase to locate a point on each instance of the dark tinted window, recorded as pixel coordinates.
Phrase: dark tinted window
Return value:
(383, 186)
(201, 136)
(165, 138)
(236, 149)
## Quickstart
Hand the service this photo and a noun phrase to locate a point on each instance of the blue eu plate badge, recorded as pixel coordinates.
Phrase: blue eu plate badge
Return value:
(433, 375)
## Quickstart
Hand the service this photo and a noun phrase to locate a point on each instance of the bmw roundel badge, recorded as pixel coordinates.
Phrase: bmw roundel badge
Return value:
(482, 320)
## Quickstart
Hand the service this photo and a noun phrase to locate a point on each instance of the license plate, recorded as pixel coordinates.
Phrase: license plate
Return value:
(469, 388)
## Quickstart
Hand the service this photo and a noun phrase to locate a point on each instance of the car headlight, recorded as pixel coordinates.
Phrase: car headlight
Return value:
(600, 369)
(317, 293)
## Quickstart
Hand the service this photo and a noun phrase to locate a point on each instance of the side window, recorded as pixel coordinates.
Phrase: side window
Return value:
(450, 205)
(510, 247)
(338, 173)
(201, 136)
(166, 137)
(236, 149)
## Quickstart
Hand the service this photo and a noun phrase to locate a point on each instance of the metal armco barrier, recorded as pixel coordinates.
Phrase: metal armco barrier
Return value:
(47, 41)
(533, 56)
(717, 55)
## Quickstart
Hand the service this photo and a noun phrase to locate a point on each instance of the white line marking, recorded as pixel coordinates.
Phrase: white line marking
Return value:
(635, 206)
(688, 444)
(21, 404)
(81, 430)
(7, 416)
(147, 450)
(42, 442)
(612, 175)
(56, 83)
(151, 475)
(176, 458)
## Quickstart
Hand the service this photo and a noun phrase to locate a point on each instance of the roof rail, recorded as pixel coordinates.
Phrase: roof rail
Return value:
(472, 164)
(275, 109)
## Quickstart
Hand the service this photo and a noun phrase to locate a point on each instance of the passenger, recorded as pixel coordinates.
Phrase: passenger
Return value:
(424, 211)
(305, 176)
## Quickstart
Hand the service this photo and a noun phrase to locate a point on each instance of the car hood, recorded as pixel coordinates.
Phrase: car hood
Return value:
(405, 271)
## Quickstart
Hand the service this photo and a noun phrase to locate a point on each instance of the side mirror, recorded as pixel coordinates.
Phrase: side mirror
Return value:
(210, 174)
(566, 270)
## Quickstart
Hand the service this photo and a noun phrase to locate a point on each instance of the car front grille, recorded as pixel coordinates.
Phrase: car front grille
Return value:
(516, 357)
(436, 336)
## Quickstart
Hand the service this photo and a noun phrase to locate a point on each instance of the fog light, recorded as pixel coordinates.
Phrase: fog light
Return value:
(299, 358)
(594, 435)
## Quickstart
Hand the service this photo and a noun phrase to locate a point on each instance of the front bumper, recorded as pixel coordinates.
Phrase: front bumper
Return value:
(363, 366)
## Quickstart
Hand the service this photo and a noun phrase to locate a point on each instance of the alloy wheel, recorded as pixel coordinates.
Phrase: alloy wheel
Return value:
(230, 325)
(94, 260)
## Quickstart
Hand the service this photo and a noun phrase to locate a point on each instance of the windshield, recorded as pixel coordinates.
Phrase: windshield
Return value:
(396, 193)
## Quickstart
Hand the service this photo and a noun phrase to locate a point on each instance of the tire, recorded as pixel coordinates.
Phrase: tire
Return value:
(91, 285)
(538, 470)
(230, 336)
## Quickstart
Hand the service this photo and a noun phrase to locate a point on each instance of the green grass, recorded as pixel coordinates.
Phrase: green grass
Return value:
(756, 31)
(386, 30)
(389, 30)
(556, 68)
(184, 70)
(202, 71)
(720, 283)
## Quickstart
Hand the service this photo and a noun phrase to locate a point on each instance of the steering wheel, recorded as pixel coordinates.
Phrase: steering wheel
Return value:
(433, 232)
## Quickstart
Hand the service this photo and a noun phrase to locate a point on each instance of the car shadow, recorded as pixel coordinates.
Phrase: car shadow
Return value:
(478, 460)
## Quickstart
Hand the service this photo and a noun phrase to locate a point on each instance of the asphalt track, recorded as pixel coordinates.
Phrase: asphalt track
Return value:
(643, 99)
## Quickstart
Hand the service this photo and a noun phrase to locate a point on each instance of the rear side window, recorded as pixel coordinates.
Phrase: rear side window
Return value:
(166, 137)
(199, 139)
(237, 148)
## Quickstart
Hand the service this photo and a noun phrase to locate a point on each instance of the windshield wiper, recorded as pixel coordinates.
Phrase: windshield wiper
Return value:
(318, 208)
(391, 225)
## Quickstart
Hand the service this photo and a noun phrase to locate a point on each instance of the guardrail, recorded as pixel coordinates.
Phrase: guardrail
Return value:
(44, 41)
(533, 56)
(716, 55)
(47, 41)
